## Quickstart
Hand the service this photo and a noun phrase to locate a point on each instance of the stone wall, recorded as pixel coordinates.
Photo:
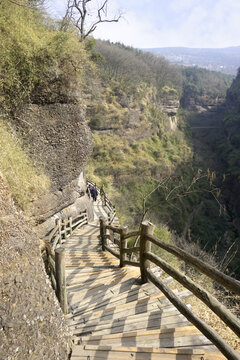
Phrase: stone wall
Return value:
(32, 325)
(58, 139)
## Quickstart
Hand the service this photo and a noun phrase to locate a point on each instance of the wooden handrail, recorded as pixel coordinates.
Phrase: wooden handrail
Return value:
(132, 234)
(114, 229)
(146, 256)
(220, 310)
(146, 238)
(221, 278)
(131, 250)
(195, 320)
(55, 257)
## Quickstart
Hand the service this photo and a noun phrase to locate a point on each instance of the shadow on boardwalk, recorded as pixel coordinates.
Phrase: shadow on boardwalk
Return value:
(112, 316)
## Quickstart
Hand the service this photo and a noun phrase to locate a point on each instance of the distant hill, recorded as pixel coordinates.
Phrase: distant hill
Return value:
(226, 60)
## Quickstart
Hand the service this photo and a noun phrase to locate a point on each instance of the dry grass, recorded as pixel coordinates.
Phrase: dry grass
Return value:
(26, 181)
(213, 320)
(207, 315)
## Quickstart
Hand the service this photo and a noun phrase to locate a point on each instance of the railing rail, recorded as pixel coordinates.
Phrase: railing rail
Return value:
(115, 238)
(56, 256)
(146, 257)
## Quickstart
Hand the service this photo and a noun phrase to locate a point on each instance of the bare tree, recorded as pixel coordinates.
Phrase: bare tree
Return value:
(86, 15)
(174, 189)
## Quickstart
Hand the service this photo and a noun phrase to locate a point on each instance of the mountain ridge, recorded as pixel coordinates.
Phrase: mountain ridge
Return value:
(226, 60)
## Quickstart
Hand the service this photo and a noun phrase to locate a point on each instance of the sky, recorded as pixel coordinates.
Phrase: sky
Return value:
(168, 23)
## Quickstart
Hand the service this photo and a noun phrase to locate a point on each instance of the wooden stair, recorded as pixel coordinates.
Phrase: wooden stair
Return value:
(112, 316)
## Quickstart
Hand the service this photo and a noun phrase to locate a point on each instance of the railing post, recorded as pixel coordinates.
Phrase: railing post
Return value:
(123, 244)
(145, 245)
(64, 235)
(60, 279)
(70, 225)
(58, 222)
(103, 231)
(109, 218)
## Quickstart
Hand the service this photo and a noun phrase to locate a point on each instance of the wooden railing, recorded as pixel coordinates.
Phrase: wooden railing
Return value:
(114, 240)
(56, 256)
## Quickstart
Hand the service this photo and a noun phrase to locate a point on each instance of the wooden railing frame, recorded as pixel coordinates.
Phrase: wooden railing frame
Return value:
(146, 257)
(123, 245)
(216, 275)
(56, 256)
(123, 250)
(211, 302)
(205, 329)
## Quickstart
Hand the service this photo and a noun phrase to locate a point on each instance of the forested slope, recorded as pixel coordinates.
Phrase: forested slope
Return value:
(143, 148)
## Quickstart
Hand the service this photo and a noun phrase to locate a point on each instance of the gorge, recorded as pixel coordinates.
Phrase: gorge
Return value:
(125, 119)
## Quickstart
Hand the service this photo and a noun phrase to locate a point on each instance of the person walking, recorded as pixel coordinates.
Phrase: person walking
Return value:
(94, 194)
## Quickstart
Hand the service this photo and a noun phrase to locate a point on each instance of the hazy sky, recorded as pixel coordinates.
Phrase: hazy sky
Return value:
(159, 23)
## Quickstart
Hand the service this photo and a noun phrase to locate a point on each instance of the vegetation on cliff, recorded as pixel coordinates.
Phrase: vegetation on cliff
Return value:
(39, 65)
(136, 146)
(132, 101)
(142, 146)
(25, 180)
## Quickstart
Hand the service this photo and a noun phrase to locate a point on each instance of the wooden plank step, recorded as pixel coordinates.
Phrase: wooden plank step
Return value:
(92, 262)
(129, 308)
(138, 354)
(83, 273)
(184, 341)
(120, 327)
(82, 242)
(103, 273)
(118, 311)
(159, 332)
(80, 247)
(85, 240)
(70, 280)
(108, 302)
(124, 298)
(105, 278)
(112, 319)
(104, 292)
(87, 254)
(91, 259)
(92, 305)
(100, 266)
(78, 290)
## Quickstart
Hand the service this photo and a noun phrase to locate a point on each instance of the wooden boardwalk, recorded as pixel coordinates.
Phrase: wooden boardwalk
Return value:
(112, 316)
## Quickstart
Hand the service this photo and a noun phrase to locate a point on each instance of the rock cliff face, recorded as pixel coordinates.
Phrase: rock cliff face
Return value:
(138, 115)
(59, 140)
(31, 321)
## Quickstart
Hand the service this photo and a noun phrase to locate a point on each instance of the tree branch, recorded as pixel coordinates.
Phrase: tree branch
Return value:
(81, 12)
